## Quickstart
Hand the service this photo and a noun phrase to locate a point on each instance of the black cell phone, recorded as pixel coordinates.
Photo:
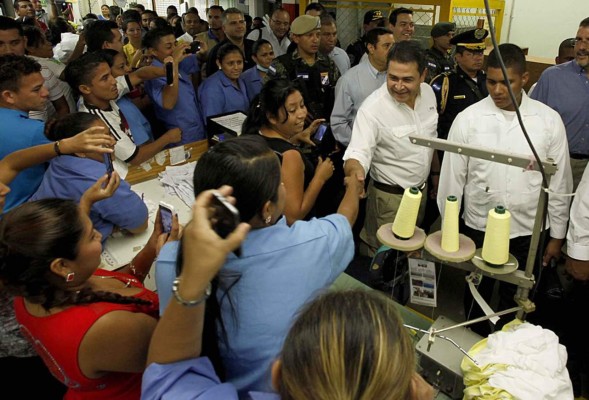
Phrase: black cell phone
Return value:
(169, 73)
(194, 47)
(320, 132)
(167, 216)
(109, 165)
(226, 217)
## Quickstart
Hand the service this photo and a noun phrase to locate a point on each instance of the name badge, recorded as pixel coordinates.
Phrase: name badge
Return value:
(459, 97)
(303, 75)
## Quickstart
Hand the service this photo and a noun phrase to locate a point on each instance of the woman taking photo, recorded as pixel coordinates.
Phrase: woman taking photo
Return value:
(344, 345)
(224, 91)
(91, 326)
(278, 114)
(262, 54)
(260, 291)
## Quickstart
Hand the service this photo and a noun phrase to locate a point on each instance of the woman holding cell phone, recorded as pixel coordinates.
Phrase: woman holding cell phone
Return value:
(278, 114)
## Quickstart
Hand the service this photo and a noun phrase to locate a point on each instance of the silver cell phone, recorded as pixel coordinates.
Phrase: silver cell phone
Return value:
(167, 216)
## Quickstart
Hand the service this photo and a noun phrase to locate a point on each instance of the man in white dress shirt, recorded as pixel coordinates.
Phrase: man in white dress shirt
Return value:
(380, 143)
(359, 82)
(276, 33)
(492, 123)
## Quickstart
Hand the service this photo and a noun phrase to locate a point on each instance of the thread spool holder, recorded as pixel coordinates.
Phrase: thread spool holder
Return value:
(524, 280)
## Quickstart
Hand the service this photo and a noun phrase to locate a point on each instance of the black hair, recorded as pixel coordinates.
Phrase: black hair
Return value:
(406, 52)
(108, 55)
(126, 23)
(248, 19)
(7, 24)
(114, 11)
(57, 26)
(513, 57)
(153, 36)
(257, 44)
(173, 8)
(373, 35)
(34, 234)
(90, 16)
(70, 125)
(315, 7)
(34, 36)
(327, 19)
(248, 165)
(230, 10)
(139, 6)
(584, 23)
(228, 48)
(13, 68)
(149, 12)
(98, 32)
(395, 13)
(81, 71)
(269, 101)
(161, 23)
(132, 14)
(215, 7)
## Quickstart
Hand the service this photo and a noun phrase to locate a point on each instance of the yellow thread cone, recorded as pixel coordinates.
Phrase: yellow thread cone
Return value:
(450, 241)
(496, 243)
(406, 217)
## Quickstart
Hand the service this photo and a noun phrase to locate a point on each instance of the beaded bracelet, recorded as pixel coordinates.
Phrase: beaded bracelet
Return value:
(189, 303)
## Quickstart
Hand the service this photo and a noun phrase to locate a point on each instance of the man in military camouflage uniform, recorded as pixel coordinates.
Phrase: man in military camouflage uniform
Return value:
(315, 73)
(456, 90)
(438, 57)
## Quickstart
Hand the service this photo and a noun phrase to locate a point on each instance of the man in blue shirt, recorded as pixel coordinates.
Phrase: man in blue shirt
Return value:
(565, 88)
(21, 91)
(176, 105)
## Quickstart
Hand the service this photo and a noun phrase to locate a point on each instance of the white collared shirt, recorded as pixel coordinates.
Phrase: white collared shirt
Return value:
(578, 234)
(351, 90)
(380, 141)
(487, 184)
(278, 46)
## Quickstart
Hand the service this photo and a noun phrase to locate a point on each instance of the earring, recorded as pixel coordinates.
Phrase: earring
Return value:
(70, 277)
(268, 220)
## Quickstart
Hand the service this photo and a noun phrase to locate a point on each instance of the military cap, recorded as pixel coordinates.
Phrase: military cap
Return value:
(372, 15)
(305, 24)
(442, 28)
(472, 40)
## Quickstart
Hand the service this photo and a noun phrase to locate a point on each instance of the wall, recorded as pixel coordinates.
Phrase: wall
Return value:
(537, 24)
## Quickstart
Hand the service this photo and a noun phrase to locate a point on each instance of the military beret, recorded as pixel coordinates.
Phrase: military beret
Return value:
(442, 28)
(472, 40)
(305, 24)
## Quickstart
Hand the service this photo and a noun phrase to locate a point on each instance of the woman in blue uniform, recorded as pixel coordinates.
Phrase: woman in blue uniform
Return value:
(262, 54)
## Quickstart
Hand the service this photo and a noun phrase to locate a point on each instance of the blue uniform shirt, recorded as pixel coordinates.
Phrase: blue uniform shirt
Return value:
(139, 125)
(186, 113)
(18, 132)
(565, 88)
(253, 82)
(218, 95)
(68, 177)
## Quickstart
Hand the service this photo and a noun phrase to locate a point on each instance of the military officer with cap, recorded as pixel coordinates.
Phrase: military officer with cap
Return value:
(316, 74)
(438, 57)
(357, 49)
(456, 90)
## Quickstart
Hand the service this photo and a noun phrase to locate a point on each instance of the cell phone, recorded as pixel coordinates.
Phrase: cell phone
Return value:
(167, 216)
(169, 73)
(226, 217)
(320, 132)
(109, 165)
(194, 47)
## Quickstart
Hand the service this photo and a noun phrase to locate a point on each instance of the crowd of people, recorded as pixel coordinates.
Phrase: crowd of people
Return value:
(247, 315)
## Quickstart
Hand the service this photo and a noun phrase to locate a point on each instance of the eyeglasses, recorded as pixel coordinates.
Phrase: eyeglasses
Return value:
(279, 23)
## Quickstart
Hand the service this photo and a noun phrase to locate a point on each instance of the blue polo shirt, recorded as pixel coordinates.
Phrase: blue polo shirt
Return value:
(186, 113)
(218, 95)
(68, 177)
(565, 88)
(253, 82)
(18, 132)
(139, 125)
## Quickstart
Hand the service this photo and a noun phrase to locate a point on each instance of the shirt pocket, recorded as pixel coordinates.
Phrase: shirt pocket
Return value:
(479, 200)
(403, 130)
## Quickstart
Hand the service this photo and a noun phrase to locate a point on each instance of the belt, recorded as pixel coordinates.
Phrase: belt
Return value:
(393, 189)
(579, 156)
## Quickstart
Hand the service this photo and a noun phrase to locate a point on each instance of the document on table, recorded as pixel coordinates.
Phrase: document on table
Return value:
(232, 122)
(177, 181)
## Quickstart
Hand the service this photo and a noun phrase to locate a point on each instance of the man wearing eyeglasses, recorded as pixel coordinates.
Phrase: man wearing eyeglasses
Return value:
(276, 33)
(564, 88)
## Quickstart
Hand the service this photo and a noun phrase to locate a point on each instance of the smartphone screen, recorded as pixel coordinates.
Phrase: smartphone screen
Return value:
(167, 216)
(226, 215)
(108, 162)
(320, 132)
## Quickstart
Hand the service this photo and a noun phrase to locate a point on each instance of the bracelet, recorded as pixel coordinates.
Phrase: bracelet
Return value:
(189, 303)
(56, 148)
